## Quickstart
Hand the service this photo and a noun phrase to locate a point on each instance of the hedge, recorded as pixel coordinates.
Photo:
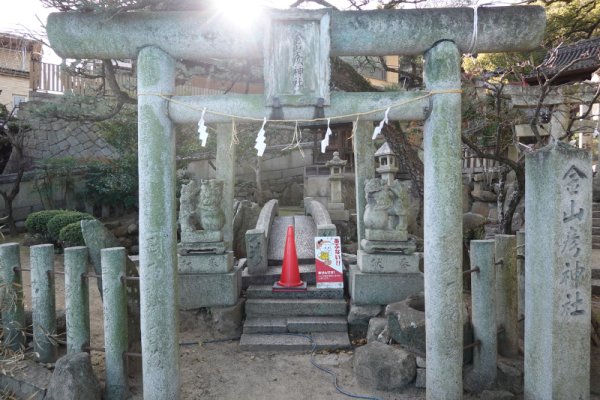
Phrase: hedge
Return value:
(71, 235)
(37, 222)
(61, 220)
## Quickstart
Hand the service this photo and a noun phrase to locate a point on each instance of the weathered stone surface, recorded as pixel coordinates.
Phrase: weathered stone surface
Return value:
(484, 195)
(406, 247)
(266, 291)
(420, 380)
(496, 395)
(305, 231)
(509, 377)
(380, 366)
(387, 262)
(466, 198)
(595, 370)
(256, 250)
(292, 307)
(558, 259)
(362, 314)
(245, 216)
(227, 321)
(74, 379)
(201, 216)
(596, 188)
(378, 330)
(322, 340)
(27, 380)
(480, 208)
(207, 263)
(406, 324)
(473, 221)
(382, 288)
(209, 290)
(277, 237)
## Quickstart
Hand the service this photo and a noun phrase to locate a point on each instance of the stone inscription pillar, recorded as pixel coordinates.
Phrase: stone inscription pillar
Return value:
(443, 225)
(158, 261)
(226, 153)
(364, 165)
(558, 200)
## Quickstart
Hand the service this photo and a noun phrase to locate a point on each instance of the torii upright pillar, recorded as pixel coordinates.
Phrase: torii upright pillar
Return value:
(158, 226)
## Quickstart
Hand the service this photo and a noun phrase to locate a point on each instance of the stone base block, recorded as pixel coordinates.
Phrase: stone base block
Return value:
(368, 288)
(373, 246)
(387, 262)
(334, 206)
(207, 263)
(339, 215)
(386, 235)
(209, 290)
(201, 236)
(189, 248)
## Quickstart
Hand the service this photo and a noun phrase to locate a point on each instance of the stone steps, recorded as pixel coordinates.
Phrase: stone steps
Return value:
(273, 274)
(296, 325)
(294, 342)
(595, 206)
(295, 307)
(265, 291)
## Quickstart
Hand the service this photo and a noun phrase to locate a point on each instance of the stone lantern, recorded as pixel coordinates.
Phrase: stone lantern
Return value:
(336, 205)
(388, 163)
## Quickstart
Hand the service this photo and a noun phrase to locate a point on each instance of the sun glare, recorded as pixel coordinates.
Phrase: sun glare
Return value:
(242, 13)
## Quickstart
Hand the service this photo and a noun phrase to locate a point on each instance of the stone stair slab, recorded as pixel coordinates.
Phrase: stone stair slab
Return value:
(291, 342)
(265, 325)
(596, 206)
(273, 274)
(317, 324)
(266, 291)
(294, 307)
(596, 287)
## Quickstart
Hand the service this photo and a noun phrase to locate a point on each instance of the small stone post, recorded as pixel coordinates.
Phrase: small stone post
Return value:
(77, 301)
(483, 303)
(43, 302)
(443, 225)
(521, 272)
(507, 292)
(114, 303)
(226, 157)
(364, 165)
(159, 316)
(558, 230)
(13, 315)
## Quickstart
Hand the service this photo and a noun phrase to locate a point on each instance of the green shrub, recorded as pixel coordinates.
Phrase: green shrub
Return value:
(71, 235)
(37, 222)
(61, 220)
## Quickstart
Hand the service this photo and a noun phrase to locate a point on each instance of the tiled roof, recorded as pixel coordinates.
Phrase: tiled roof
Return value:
(564, 55)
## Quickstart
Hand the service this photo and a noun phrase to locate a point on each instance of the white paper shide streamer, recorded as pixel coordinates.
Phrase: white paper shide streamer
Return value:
(379, 127)
(325, 141)
(202, 129)
(261, 145)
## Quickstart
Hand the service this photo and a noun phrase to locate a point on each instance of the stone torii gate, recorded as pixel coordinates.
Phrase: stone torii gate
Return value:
(158, 39)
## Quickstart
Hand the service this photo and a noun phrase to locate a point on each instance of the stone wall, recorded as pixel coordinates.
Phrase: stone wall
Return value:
(53, 138)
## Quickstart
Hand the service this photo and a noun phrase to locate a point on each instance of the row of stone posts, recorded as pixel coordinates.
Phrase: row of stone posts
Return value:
(76, 305)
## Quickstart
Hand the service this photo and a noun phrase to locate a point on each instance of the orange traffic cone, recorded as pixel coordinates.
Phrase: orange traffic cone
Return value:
(290, 273)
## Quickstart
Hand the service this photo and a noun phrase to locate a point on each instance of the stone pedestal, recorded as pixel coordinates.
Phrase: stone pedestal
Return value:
(198, 290)
(383, 288)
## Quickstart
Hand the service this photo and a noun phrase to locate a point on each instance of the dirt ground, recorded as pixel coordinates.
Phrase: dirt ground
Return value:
(222, 371)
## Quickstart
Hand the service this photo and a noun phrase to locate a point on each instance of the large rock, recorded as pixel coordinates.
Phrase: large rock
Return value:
(361, 314)
(406, 324)
(473, 221)
(378, 331)
(380, 366)
(74, 379)
(245, 215)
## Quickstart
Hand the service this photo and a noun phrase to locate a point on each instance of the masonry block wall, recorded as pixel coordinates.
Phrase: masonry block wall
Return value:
(53, 138)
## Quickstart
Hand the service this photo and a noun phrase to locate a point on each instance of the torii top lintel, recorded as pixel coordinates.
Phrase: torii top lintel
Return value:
(199, 36)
